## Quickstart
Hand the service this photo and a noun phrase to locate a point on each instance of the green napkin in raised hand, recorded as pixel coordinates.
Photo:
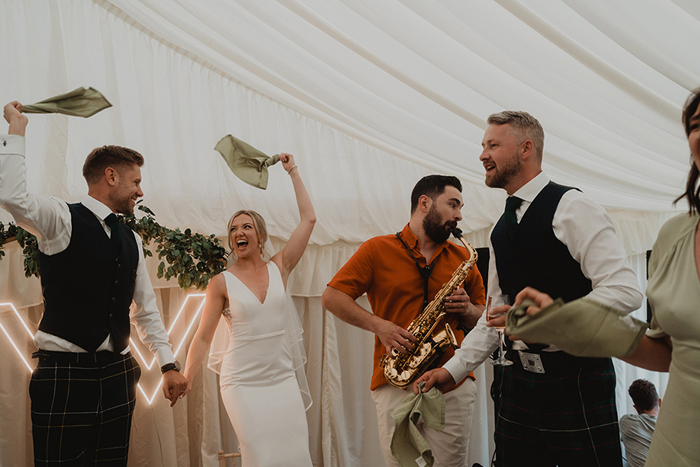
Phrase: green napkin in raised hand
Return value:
(407, 444)
(246, 162)
(83, 102)
(583, 327)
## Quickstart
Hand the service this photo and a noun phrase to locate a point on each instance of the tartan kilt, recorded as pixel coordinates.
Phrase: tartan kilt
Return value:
(82, 404)
(566, 416)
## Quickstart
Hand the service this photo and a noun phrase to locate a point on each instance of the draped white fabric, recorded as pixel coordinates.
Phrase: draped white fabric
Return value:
(369, 96)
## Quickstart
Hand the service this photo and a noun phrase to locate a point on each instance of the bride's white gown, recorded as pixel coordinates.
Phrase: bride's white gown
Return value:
(258, 384)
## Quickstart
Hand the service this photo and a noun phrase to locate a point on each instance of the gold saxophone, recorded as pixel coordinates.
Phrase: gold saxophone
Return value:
(403, 369)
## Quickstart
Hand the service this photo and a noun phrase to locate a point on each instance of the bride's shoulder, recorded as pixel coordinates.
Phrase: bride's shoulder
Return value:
(218, 281)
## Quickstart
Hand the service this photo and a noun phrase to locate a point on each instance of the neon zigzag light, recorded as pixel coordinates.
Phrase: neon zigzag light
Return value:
(133, 345)
(31, 336)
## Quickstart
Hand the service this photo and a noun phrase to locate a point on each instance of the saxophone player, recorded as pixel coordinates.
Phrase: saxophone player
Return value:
(401, 273)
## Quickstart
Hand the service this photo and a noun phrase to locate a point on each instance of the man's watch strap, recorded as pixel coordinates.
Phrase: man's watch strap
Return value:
(170, 366)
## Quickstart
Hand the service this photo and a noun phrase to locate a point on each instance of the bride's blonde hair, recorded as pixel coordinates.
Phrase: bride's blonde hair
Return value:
(260, 231)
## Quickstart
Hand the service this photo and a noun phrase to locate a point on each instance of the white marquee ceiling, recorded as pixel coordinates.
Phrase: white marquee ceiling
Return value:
(371, 94)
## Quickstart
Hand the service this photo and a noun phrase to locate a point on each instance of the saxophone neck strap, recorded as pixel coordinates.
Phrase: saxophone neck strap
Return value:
(425, 271)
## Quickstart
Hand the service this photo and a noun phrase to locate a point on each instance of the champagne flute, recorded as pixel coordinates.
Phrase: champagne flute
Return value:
(501, 360)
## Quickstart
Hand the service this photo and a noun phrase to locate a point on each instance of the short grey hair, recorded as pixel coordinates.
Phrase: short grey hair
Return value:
(525, 125)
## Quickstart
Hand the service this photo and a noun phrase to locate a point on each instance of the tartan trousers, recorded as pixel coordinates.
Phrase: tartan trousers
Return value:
(81, 408)
(566, 417)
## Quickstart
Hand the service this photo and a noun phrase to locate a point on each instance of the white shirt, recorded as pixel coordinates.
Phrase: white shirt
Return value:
(588, 232)
(49, 219)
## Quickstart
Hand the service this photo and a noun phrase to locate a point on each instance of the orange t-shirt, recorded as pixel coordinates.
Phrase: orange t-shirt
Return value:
(384, 269)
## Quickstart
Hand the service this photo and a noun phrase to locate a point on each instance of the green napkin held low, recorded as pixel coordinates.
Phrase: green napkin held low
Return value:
(246, 162)
(407, 444)
(583, 327)
(83, 102)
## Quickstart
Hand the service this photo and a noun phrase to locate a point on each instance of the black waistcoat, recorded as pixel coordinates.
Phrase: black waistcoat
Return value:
(536, 258)
(88, 287)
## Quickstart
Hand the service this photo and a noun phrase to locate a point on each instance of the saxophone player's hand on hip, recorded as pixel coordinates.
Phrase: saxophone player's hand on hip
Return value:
(439, 377)
(393, 336)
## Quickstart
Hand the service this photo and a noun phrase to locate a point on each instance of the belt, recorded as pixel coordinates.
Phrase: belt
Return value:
(101, 357)
(558, 362)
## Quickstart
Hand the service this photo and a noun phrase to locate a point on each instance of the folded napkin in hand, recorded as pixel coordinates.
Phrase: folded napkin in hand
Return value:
(407, 444)
(583, 327)
(246, 162)
(83, 102)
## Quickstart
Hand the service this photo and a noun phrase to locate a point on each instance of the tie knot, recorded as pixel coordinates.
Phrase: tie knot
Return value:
(111, 220)
(513, 203)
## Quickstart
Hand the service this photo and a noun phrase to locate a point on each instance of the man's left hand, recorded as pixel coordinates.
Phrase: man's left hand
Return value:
(459, 302)
(174, 385)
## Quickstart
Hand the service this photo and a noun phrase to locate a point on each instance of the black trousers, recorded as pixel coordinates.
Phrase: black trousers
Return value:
(82, 404)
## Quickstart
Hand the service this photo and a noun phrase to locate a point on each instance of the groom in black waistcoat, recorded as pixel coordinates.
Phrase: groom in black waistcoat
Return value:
(552, 409)
(83, 390)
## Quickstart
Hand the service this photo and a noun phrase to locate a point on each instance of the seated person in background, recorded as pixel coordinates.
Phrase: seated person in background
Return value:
(636, 429)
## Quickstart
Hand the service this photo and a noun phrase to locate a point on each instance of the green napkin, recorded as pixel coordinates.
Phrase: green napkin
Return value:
(407, 444)
(83, 102)
(583, 327)
(246, 162)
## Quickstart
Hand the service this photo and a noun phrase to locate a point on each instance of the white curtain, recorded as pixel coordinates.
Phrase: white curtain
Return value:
(369, 96)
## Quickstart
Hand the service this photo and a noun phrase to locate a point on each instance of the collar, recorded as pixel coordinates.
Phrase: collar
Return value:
(410, 238)
(99, 209)
(531, 189)
(413, 242)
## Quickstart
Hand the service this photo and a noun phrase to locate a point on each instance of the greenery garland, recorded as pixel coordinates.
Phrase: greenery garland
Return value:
(30, 248)
(191, 257)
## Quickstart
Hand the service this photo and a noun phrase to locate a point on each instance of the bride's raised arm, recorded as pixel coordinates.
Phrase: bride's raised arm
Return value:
(287, 258)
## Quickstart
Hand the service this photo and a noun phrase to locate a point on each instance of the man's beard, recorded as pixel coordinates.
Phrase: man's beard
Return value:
(123, 206)
(504, 175)
(435, 229)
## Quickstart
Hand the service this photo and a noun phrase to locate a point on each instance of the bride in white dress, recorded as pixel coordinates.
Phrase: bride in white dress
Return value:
(258, 382)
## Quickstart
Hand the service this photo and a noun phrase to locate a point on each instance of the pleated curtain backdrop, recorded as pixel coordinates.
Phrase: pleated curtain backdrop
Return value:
(369, 97)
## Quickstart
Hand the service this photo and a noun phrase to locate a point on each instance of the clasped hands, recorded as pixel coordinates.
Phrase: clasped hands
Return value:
(175, 386)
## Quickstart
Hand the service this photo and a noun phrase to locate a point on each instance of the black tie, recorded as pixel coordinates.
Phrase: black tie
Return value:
(113, 222)
(512, 204)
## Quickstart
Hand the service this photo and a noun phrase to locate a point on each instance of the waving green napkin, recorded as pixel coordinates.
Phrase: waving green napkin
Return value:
(407, 444)
(246, 162)
(83, 102)
(583, 327)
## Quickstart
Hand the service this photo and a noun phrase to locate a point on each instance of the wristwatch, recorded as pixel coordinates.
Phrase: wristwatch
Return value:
(170, 366)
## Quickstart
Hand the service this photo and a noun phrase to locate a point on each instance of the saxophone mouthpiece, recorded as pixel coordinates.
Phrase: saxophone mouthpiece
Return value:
(456, 231)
